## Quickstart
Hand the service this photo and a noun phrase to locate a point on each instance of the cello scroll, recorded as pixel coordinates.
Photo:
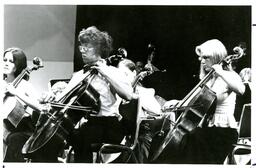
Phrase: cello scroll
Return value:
(239, 52)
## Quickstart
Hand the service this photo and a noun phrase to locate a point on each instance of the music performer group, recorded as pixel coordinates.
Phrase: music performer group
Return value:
(86, 110)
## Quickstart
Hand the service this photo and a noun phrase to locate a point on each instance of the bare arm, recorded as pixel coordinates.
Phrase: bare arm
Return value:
(29, 100)
(231, 78)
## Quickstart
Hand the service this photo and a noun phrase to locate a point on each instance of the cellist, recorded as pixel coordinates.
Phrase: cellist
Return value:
(149, 104)
(14, 62)
(95, 46)
(211, 144)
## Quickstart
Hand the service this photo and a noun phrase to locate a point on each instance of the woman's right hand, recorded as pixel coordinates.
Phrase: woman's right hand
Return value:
(170, 104)
(47, 97)
(11, 90)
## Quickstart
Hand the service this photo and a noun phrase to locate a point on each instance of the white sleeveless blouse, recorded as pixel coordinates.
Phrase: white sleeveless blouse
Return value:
(226, 101)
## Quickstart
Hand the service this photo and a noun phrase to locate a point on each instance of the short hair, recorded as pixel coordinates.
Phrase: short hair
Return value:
(213, 48)
(102, 40)
(58, 87)
(19, 59)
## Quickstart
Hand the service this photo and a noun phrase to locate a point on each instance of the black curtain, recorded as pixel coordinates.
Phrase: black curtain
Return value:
(175, 31)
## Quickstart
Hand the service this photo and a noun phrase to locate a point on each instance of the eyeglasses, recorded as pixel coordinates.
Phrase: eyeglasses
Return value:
(85, 49)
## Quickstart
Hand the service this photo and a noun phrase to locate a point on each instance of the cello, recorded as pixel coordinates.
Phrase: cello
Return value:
(198, 107)
(53, 128)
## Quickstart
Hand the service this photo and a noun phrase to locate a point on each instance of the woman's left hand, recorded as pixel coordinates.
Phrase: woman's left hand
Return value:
(217, 68)
(101, 67)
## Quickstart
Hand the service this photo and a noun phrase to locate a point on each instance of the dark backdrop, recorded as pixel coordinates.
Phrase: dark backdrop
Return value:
(175, 31)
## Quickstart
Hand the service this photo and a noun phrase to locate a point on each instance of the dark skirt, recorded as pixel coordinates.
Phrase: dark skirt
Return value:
(15, 140)
(209, 145)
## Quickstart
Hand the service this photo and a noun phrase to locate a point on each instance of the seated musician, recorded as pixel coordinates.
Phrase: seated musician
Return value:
(148, 101)
(16, 132)
(105, 127)
(150, 106)
(211, 144)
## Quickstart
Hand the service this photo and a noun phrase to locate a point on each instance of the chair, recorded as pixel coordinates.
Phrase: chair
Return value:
(131, 121)
(243, 146)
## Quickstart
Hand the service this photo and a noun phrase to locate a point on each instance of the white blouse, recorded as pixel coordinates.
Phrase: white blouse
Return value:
(226, 101)
(109, 102)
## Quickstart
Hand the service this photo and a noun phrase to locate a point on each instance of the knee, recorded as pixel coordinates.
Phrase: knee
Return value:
(17, 137)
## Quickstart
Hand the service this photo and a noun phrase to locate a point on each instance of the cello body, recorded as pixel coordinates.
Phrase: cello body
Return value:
(165, 147)
(54, 128)
(14, 111)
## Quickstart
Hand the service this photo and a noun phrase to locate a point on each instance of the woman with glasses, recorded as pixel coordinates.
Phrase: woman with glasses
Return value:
(105, 127)
(212, 143)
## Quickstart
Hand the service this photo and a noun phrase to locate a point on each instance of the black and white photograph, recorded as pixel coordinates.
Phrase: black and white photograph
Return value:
(127, 83)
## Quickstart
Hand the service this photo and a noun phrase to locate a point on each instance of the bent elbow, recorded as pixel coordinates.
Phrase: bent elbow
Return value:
(241, 90)
(128, 97)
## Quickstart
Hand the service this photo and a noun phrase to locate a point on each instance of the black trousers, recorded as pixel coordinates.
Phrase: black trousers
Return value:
(96, 130)
(208, 145)
(16, 139)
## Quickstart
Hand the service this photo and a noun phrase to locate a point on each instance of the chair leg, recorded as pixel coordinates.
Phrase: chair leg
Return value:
(135, 158)
(131, 155)
(130, 152)
(69, 155)
(235, 150)
(99, 158)
(230, 159)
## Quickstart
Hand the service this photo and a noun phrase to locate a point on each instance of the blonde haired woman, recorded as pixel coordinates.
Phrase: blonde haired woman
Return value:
(211, 144)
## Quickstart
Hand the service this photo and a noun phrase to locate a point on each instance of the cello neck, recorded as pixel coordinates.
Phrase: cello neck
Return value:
(200, 84)
(37, 64)
(140, 77)
(18, 79)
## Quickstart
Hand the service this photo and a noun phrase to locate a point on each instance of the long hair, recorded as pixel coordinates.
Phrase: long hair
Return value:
(19, 59)
(102, 40)
(213, 48)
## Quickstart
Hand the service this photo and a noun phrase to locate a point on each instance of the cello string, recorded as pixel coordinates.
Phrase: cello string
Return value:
(173, 109)
(71, 106)
(176, 109)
